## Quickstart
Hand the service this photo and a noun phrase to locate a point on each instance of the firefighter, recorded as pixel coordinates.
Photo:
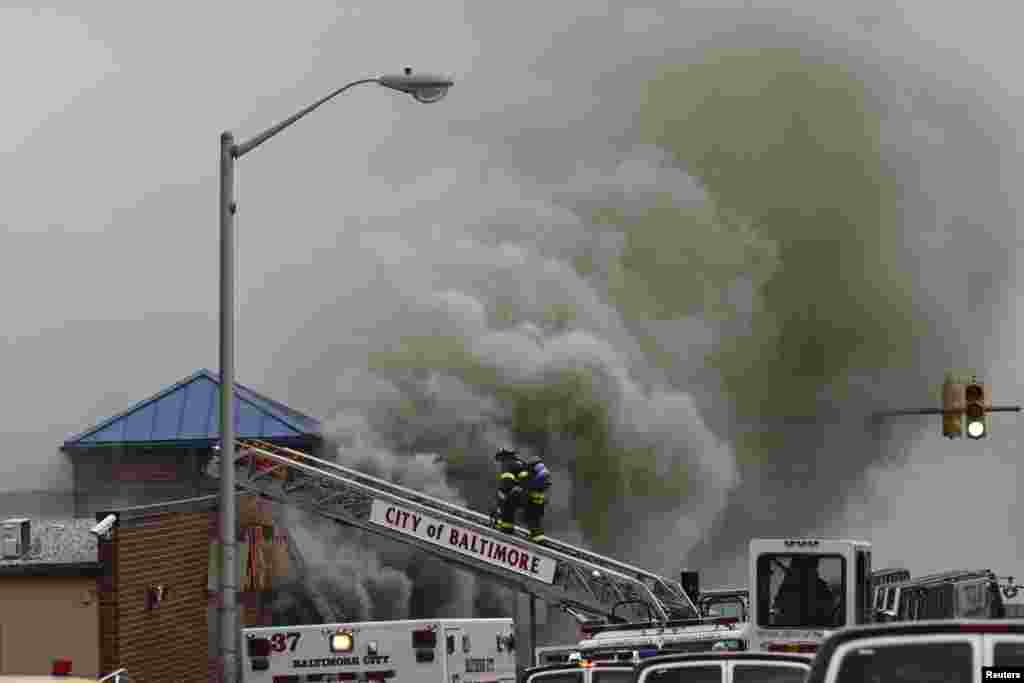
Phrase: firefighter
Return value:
(521, 485)
(804, 598)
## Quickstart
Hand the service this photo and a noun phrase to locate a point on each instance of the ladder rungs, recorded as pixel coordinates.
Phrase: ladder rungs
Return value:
(599, 583)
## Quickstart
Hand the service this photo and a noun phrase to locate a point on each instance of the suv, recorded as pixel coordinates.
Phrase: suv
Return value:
(582, 671)
(725, 667)
(947, 651)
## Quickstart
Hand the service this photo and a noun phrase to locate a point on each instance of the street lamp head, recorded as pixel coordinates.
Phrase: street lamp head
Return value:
(426, 88)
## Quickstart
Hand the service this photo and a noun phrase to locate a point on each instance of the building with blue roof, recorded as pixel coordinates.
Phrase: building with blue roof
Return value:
(159, 448)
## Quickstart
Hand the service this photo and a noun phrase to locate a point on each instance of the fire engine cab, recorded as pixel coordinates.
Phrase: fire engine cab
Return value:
(439, 650)
(803, 589)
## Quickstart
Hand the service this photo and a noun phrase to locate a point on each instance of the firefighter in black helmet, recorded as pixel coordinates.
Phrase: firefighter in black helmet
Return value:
(521, 485)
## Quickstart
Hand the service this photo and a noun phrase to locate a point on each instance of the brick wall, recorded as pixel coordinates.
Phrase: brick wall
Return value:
(163, 642)
(170, 545)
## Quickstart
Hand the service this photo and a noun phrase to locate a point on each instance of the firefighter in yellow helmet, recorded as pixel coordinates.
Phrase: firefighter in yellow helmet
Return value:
(521, 484)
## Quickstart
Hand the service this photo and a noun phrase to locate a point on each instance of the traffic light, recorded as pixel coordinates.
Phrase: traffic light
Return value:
(952, 409)
(976, 397)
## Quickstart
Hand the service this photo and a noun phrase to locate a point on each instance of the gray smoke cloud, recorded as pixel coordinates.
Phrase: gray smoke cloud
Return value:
(645, 270)
(363, 577)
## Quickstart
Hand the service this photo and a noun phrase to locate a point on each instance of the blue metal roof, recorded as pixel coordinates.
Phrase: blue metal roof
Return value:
(188, 412)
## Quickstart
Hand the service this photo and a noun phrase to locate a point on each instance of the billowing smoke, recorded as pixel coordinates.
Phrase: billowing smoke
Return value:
(342, 571)
(687, 304)
(432, 409)
(822, 157)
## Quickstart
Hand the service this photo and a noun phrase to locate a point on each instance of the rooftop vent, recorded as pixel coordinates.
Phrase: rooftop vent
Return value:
(15, 538)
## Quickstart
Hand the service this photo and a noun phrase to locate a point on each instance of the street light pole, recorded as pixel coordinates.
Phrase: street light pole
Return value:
(229, 633)
(424, 88)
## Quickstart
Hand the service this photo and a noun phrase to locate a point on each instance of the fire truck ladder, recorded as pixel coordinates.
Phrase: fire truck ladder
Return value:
(584, 581)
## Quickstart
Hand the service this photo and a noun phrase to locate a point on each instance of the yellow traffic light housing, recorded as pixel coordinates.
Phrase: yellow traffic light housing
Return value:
(976, 399)
(953, 406)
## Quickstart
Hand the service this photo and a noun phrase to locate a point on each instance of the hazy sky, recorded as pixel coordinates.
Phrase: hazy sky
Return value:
(109, 260)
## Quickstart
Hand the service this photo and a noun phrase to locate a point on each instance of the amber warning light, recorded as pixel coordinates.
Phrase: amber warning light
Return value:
(341, 641)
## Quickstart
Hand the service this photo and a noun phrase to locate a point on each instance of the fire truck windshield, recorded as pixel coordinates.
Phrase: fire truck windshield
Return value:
(801, 590)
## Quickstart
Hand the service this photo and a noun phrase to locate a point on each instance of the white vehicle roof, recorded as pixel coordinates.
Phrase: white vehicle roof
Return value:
(377, 625)
(676, 635)
(798, 544)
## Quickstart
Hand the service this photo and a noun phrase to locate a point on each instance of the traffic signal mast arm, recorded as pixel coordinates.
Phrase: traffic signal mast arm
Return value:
(940, 411)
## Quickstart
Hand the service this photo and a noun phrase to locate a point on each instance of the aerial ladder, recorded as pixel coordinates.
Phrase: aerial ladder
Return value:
(584, 584)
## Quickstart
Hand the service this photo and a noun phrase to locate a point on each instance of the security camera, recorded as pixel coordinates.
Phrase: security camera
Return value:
(104, 526)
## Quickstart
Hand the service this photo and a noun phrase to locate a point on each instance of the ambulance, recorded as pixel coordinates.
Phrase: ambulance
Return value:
(412, 651)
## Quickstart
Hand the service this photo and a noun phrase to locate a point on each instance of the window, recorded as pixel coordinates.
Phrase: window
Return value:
(939, 603)
(994, 604)
(890, 599)
(1008, 654)
(763, 673)
(929, 604)
(691, 646)
(726, 607)
(909, 663)
(557, 677)
(801, 590)
(921, 606)
(684, 674)
(970, 600)
(613, 677)
(880, 598)
(909, 605)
